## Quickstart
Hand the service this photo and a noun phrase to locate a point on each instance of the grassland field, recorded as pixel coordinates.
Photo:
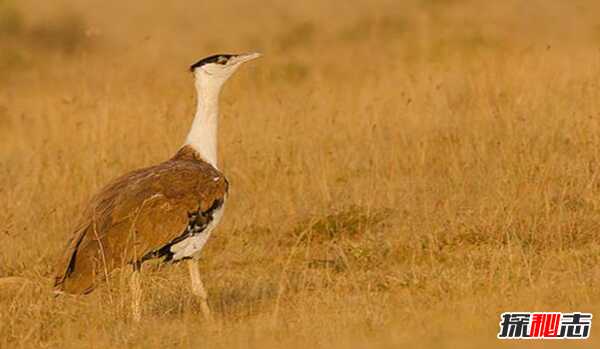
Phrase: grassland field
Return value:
(401, 172)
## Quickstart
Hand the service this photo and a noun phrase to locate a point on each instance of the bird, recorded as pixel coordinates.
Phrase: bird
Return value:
(164, 212)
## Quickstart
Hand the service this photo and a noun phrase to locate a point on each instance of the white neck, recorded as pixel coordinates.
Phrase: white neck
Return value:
(203, 134)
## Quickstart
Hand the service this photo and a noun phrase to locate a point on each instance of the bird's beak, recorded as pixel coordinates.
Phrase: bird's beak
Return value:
(245, 57)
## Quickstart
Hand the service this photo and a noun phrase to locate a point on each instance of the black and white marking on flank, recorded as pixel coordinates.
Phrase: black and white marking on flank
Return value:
(198, 221)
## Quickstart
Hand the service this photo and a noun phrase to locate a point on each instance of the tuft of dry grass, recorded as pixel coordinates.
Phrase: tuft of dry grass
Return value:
(400, 173)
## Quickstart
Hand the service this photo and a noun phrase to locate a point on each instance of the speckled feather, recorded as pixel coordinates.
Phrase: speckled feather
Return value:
(136, 215)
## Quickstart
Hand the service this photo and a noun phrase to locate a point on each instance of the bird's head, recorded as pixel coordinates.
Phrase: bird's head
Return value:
(216, 69)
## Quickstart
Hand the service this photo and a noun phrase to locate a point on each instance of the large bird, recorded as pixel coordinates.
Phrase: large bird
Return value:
(166, 211)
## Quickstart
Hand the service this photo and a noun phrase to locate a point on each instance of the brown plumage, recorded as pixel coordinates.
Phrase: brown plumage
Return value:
(137, 215)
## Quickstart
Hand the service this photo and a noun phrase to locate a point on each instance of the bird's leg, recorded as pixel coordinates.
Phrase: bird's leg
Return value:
(198, 288)
(136, 294)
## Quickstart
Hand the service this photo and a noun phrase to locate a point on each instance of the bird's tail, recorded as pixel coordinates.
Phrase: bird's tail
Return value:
(76, 281)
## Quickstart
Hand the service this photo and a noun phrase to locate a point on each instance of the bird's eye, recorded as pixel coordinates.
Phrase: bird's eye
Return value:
(221, 60)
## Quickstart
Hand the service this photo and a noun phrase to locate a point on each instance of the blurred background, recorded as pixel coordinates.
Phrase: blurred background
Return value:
(301, 35)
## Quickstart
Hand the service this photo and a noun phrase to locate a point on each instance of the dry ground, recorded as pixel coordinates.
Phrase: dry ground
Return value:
(400, 173)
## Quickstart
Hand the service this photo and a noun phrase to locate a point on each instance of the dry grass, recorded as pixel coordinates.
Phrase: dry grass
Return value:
(401, 174)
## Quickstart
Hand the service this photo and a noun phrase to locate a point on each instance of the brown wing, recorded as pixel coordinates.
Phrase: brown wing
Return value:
(135, 215)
